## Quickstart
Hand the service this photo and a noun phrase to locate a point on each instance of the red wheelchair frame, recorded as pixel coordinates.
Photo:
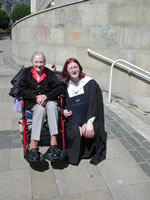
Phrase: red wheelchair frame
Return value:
(24, 124)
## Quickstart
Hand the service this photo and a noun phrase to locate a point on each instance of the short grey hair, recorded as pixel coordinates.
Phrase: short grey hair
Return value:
(39, 54)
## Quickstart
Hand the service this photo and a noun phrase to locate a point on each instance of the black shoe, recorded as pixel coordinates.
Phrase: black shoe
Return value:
(52, 153)
(33, 155)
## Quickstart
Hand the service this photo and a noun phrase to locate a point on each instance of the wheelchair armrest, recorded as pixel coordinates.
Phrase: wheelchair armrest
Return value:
(62, 96)
(20, 98)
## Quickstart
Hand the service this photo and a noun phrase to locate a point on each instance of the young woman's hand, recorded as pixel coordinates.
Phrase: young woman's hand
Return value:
(67, 113)
(87, 130)
(90, 129)
(83, 129)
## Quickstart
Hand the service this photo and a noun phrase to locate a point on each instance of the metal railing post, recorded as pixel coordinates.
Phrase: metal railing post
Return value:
(110, 81)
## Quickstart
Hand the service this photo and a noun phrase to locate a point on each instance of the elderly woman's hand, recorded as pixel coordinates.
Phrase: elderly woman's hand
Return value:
(41, 99)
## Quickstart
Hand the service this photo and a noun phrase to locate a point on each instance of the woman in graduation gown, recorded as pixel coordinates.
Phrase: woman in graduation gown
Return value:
(84, 113)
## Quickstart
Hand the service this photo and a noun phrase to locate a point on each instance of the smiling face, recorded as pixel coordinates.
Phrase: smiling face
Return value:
(73, 71)
(38, 63)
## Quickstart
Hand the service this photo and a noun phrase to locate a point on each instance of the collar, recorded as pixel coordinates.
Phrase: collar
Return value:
(77, 88)
(42, 77)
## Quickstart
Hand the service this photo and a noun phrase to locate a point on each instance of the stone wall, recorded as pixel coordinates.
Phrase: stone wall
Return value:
(113, 28)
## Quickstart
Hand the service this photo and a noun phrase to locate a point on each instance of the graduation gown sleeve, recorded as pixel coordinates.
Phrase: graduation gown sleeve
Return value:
(96, 108)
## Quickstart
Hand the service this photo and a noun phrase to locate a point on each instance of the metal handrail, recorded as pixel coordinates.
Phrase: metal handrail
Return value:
(117, 63)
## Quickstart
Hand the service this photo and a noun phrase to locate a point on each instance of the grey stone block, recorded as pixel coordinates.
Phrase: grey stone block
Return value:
(120, 129)
(141, 57)
(94, 14)
(146, 144)
(129, 40)
(118, 14)
(146, 168)
(139, 137)
(108, 117)
(111, 136)
(137, 156)
(64, 52)
(113, 130)
(128, 127)
(126, 144)
(145, 34)
(144, 153)
(144, 14)
(132, 141)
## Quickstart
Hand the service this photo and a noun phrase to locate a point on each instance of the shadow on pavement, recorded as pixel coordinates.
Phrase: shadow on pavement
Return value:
(40, 166)
(59, 164)
(44, 165)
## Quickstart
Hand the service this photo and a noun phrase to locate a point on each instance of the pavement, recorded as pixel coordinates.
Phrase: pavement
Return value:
(124, 175)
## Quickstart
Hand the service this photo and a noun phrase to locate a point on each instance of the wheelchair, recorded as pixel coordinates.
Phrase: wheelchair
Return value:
(25, 124)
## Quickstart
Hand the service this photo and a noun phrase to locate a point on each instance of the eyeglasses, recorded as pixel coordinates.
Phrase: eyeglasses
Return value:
(73, 68)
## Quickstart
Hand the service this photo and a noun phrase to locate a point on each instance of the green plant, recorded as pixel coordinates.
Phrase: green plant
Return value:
(4, 19)
(2, 31)
(20, 11)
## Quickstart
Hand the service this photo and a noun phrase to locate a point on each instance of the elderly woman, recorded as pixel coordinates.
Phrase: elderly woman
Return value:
(40, 88)
(86, 136)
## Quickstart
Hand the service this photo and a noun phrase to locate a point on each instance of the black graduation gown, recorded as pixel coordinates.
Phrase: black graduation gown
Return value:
(80, 147)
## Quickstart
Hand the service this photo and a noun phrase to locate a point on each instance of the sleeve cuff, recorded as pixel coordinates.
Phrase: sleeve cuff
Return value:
(92, 119)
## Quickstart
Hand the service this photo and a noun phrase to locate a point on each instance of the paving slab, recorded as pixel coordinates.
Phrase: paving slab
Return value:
(16, 160)
(4, 159)
(122, 171)
(44, 184)
(83, 178)
(53, 198)
(115, 149)
(5, 124)
(132, 192)
(93, 195)
(15, 185)
(10, 139)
